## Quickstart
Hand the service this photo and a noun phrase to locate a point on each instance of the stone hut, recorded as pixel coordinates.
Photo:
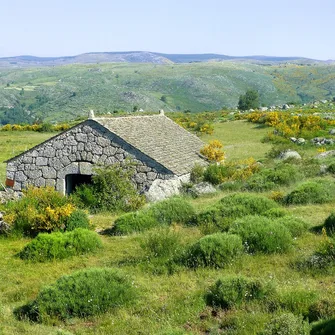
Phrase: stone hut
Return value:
(164, 154)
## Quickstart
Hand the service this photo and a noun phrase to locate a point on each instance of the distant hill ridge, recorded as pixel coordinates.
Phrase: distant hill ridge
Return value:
(142, 57)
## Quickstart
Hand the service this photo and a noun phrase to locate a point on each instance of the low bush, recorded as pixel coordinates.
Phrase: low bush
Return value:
(286, 324)
(112, 189)
(161, 242)
(232, 292)
(81, 294)
(321, 310)
(134, 222)
(282, 174)
(77, 219)
(275, 213)
(295, 225)
(220, 216)
(216, 173)
(197, 174)
(329, 224)
(312, 192)
(173, 210)
(217, 250)
(52, 246)
(298, 301)
(331, 168)
(261, 234)
(326, 327)
(254, 204)
(39, 210)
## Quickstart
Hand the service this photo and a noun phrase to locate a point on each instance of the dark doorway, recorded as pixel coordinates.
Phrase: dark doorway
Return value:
(73, 180)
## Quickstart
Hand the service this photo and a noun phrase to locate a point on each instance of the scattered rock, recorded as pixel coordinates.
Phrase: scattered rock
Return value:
(325, 154)
(332, 132)
(289, 154)
(285, 107)
(4, 227)
(202, 188)
(322, 141)
(301, 141)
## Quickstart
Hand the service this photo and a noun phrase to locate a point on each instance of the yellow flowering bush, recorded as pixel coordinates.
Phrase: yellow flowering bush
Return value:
(39, 210)
(213, 151)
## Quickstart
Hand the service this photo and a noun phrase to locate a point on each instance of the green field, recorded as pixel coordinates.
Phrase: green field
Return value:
(66, 92)
(168, 304)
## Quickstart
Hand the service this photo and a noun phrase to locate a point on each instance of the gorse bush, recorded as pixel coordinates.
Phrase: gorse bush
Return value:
(231, 171)
(287, 324)
(217, 250)
(275, 213)
(46, 247)
(232, 292)
(166, 212)
(40, 210)
(261, 234)
(81, 294)
(312, 192)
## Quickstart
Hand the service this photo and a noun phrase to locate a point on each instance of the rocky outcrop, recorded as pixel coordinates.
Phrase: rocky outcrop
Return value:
(202, 188)
(289, 154)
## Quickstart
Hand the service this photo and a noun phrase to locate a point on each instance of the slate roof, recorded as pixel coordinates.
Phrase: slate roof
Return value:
(160, 138)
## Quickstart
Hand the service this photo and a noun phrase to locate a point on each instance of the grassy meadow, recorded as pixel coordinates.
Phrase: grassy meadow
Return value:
(168, 304)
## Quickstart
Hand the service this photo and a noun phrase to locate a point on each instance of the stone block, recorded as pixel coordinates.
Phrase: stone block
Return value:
(33, 174)
(49, 152)
(103, 142)
(40, 161)
(48, 172)
(81, 137)
(39, 182)
(20, 176)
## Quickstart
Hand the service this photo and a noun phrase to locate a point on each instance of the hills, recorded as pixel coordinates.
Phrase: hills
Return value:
(140, 57)
(61, 93)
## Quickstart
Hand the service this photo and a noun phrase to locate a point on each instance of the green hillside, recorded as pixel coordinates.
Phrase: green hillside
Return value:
(66, 92)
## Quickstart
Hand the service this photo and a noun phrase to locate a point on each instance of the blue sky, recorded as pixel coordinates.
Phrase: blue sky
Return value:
(238, 27)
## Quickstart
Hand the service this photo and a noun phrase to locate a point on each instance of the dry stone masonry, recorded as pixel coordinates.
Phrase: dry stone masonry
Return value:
(79, 149)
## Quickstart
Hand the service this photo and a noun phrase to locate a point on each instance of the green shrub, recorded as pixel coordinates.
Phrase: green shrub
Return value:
(321, 309)
(295, 225)
(261, 234)
(324, 328)
(217, 250)
(275, 213)
(253, 204)
(133, 223)
(267, 179)
(220, 216)
(286, 324)
(173, 210)
(77, 219)
(298, 301)
(329, 224)
(197, 174)
(161, 242)
(331, 168)
(232, 292)
(312, 192)
(216, 173)
(112, 189)
(81, 294)
(47, 247)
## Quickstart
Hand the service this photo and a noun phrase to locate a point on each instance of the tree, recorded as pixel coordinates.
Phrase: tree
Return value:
(249, 100)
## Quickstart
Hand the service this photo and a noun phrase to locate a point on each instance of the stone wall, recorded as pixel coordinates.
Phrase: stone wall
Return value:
(76, 151)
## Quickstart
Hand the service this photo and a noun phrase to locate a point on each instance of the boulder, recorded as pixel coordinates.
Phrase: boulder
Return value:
(202, 188)
(332, 131)
(289, 154)
(161, 189)
(301, 141)
(325, 154)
